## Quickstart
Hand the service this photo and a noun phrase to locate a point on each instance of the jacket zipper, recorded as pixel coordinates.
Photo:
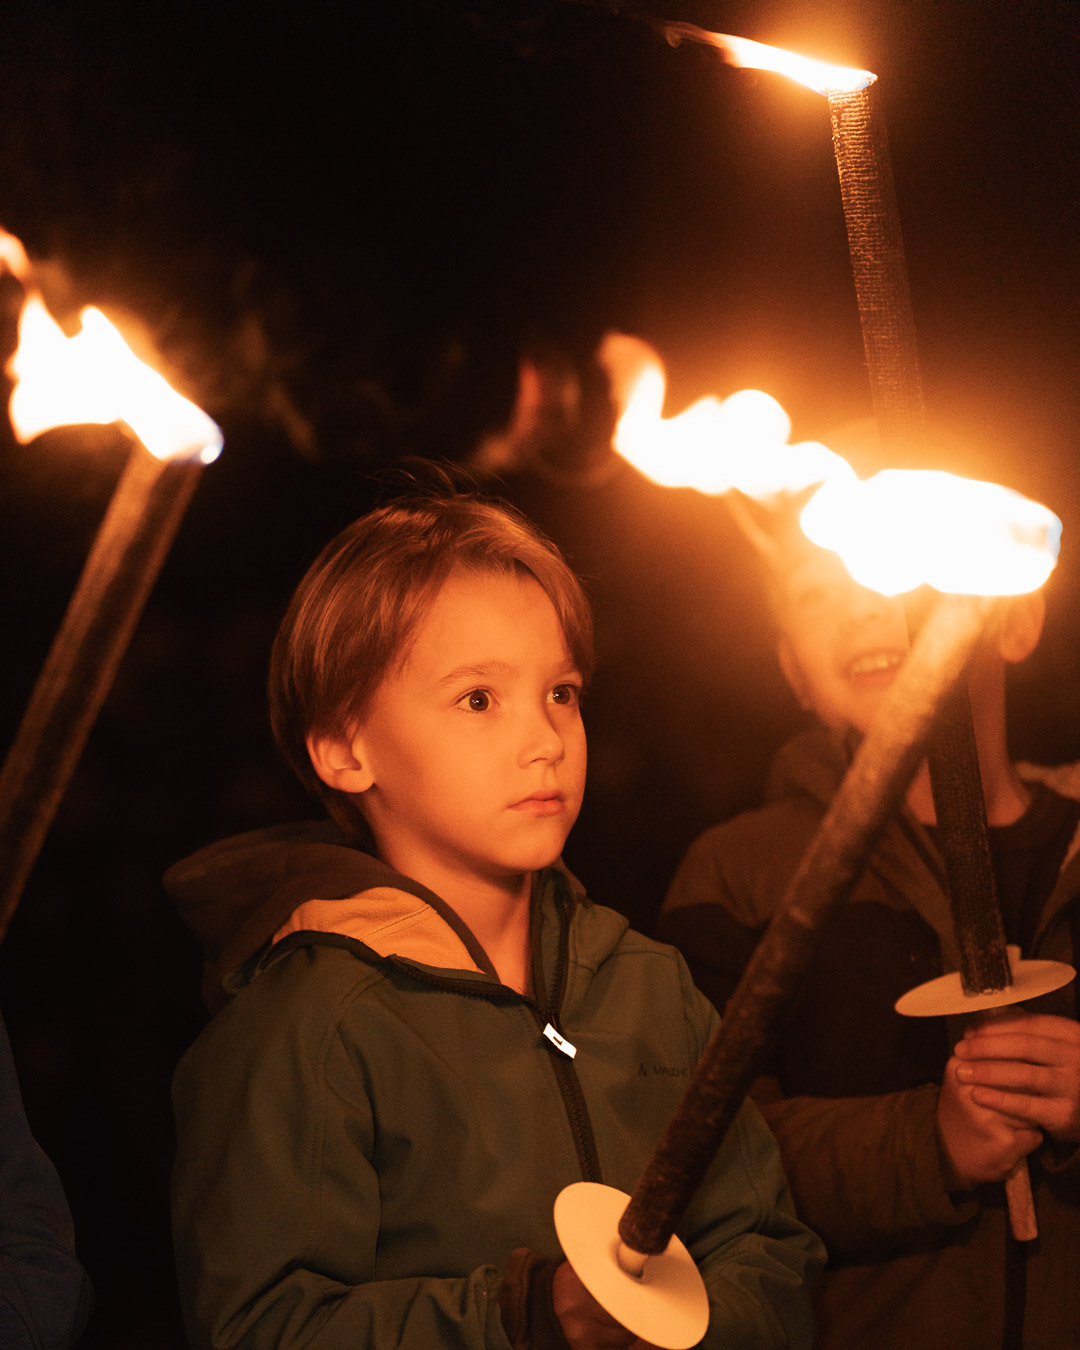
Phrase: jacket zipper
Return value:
(573, 1098)
(577, 1111)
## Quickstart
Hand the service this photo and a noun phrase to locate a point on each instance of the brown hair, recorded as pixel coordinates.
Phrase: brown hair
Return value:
(358, 605)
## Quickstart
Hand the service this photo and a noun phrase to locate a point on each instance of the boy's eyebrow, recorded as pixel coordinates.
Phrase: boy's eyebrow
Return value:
(483, 670)
(486, 670)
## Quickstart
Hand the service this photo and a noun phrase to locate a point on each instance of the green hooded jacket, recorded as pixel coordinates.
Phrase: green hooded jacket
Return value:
(372, 1123)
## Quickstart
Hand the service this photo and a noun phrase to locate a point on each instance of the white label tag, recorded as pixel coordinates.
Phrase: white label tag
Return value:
(560, 1042)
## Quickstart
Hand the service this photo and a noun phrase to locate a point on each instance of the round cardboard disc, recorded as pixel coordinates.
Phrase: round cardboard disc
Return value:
(945, 996)
(667, 1305)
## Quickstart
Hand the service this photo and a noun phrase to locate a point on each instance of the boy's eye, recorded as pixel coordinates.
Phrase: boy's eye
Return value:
(568, 695)
(477, 700)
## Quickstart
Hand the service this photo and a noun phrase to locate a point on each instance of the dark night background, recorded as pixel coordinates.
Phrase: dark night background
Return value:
(344, 226)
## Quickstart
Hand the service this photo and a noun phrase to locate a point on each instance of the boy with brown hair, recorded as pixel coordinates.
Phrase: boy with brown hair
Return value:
(431, 1030)
(895, 1131)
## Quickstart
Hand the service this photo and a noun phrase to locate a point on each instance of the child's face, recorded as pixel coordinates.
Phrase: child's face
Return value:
(841, 644)
(475, 742)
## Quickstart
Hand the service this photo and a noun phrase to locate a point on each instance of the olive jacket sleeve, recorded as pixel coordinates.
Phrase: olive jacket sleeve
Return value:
(757, 1259)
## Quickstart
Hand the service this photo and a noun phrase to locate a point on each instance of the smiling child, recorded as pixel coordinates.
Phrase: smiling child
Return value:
(894, 1130)
(428, 1030)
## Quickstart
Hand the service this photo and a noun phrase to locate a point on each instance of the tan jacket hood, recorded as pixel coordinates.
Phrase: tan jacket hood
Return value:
(242, 894)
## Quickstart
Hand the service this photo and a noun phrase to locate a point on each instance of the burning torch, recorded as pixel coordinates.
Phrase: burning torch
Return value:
(875, 246)
(92, 377)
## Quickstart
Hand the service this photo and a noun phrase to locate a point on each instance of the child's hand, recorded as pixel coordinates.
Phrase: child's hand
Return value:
(584, 1323)
(980, 1144)
(1027, 1066)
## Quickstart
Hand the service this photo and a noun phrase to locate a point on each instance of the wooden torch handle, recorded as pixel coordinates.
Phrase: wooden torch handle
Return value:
(117, 577)
(870, 792)
(1022, 1220)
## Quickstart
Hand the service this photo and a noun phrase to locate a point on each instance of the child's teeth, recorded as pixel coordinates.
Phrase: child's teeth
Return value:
(867, 665)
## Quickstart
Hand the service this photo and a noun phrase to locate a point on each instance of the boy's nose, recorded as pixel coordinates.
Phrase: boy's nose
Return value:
(865, 605)
(541, 739)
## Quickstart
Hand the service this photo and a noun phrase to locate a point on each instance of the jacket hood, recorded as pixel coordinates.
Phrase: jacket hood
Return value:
(242, 894)
(812, 765)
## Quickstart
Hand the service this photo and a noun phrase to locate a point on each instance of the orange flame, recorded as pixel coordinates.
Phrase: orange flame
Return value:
(904, 528)
(820, 76)
(95, 377)
(13, 256)
(713, 446)
(900, 529)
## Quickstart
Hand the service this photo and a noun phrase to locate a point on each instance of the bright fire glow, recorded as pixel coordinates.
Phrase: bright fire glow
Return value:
(820, 76)
(898, 530)
(712, 446)
(13, 255)
(95, 377)
(908, 527)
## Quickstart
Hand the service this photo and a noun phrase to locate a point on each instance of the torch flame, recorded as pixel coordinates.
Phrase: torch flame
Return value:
(820, 76)
(95, 377)
(903, 528)
(712, 446)
(900, 529)
(13, 256)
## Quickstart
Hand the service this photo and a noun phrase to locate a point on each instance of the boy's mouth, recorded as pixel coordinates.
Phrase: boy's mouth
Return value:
(870, 664)
(547, 802)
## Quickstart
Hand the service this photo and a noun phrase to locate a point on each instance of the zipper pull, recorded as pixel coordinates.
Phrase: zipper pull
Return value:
(560, 1042)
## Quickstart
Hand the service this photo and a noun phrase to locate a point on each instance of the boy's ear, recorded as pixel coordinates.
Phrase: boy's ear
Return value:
(789, 664)
(341, 763)
(1021, 626)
